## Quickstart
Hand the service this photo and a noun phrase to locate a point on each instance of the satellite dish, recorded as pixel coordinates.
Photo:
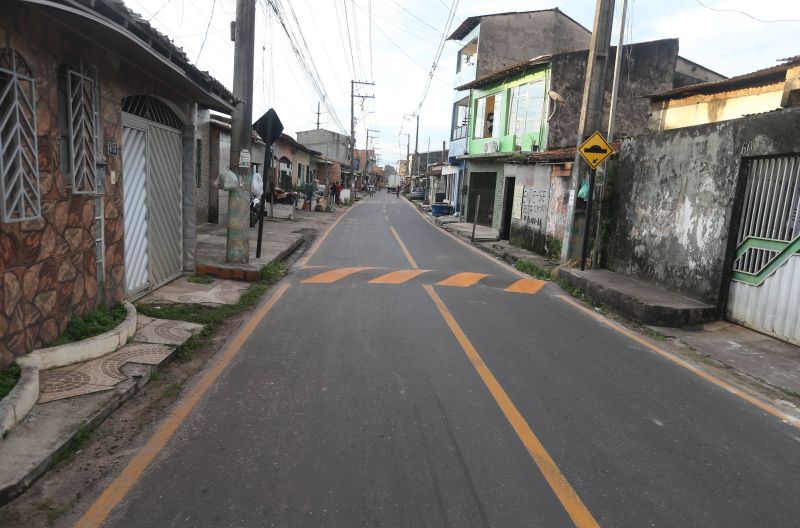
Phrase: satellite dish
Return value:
(557, 97)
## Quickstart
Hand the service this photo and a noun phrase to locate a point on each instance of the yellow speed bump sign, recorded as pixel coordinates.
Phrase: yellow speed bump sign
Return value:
(595, 150)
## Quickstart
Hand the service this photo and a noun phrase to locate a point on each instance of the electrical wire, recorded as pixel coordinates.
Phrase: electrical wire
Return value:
(304, 58)
(348, 58)
(748, 15)
(210, 18)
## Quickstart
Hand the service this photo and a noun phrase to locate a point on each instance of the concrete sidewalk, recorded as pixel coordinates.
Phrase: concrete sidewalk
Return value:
(280, 239)
(77, 398)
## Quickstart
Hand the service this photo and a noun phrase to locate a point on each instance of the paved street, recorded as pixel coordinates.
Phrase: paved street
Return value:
(404, 379)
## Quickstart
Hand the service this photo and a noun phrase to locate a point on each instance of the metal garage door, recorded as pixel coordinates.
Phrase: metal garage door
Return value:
(765, 290)
(152, 186)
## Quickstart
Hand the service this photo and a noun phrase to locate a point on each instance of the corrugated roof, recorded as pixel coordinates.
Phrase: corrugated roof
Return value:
(508, 71)
(761, 77)
(114, 13)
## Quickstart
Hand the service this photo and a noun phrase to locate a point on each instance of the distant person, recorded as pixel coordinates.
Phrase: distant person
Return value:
(397, 192)
(332, 194)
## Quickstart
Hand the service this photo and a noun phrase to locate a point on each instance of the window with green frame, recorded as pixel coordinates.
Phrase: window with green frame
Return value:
(486, 108)
(525, 110)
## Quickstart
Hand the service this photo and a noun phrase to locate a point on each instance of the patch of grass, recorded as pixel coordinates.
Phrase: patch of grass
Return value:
(91, 324)
(156, 374)
(200, 279)
(212, 316)
(75, 444)
(171, 390)
(8, 379)
(51, 511)
(533, 269)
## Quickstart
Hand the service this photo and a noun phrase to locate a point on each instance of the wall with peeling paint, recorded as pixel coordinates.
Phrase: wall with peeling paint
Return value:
(676, 195)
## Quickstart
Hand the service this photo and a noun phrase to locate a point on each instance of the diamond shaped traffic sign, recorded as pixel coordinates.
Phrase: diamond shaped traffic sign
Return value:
(595, 150)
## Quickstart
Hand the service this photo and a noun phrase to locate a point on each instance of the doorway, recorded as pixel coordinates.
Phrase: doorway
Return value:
(482, 184)
(508, 205)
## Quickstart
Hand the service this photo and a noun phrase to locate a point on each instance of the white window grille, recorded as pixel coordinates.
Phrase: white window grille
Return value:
(19, 156)
(82, 109)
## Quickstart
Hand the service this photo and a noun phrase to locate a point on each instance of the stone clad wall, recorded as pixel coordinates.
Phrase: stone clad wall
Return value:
(47, 266)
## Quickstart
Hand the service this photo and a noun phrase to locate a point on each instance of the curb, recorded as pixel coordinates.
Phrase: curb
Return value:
(86, 349)
(248, 275)
(22, 398)
(10, 492)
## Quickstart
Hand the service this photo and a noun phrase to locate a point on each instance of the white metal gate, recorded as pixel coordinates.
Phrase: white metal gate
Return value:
(152, 186)
(134, 186)
(765, 286)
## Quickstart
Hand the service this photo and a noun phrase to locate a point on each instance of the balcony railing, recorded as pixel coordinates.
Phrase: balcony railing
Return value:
(460, 132)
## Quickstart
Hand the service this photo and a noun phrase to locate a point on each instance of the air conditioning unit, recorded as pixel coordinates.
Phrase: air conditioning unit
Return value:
(490, 147)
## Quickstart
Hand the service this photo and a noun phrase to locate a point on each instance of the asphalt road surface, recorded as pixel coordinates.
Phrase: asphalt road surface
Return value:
(400, 378)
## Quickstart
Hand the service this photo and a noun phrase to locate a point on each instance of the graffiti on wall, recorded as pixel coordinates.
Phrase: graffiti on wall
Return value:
(535, 201)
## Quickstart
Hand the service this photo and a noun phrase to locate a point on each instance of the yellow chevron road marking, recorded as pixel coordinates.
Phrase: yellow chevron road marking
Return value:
(327, 277)
(462, 280)
(398, 277)
(529, 286)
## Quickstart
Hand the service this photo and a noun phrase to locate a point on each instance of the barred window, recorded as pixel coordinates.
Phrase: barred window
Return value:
(83, 132)
(19, 157)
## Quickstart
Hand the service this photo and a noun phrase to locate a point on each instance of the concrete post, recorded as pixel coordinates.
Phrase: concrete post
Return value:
(238, 247)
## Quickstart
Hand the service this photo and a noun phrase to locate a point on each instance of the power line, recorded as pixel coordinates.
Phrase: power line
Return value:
(748, 15)
(305, 59)
(369, 21)
(210, 18)
(435, 64)
(344, 46)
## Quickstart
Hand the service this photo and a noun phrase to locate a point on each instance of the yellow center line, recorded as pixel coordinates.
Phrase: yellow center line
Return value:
(398, 277)
(327, 277)
(463, 280)
(685, 364)
(404, 248)
(529, 286)
(99, 511)
(569, 499)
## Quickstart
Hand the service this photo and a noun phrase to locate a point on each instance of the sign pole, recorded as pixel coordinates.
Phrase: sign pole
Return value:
(588, 220)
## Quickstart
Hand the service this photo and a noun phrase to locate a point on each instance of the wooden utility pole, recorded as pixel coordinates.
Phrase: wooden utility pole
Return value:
(238, 239)
(591, 117)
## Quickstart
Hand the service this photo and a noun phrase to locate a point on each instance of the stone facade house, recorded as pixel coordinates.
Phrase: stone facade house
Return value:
(97, 120)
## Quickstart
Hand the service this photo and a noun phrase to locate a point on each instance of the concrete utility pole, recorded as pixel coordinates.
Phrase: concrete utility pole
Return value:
(238, 246)
(612, 114)
(591, 117)
(353, 96)
(416, 146)
(318, 112)
(366, 168)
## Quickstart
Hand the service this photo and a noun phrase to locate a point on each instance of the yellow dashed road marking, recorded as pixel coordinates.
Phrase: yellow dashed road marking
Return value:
(398, 277)
(529, 286)
(327, 277)
(462, 280)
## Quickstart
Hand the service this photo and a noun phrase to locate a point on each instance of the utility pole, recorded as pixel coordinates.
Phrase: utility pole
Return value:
(353, 129)
(318, 112)
(366, 168)
(238, 237)
(591, 117)
(416, 146)
(612, 113)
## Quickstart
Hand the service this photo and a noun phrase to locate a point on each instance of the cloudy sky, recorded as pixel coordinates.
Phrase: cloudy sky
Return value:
(393, 43)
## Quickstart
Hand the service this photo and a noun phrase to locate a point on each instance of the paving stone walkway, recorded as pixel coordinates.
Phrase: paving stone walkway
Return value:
(154, 341)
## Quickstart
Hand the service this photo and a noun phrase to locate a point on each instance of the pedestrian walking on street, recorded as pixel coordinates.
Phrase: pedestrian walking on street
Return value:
(332, 195)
